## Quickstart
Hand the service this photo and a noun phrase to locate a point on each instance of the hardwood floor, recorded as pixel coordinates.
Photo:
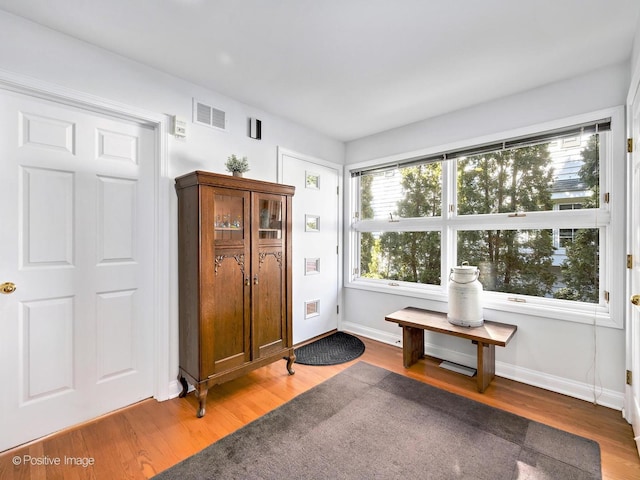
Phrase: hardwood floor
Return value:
(141, 440)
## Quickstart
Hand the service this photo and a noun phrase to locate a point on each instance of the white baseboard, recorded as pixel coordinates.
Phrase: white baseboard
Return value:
(572, 388)
(175, 388)
(374, 334)
(582, 390)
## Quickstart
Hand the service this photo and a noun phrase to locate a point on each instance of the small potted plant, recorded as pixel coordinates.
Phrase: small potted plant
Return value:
(237, 166)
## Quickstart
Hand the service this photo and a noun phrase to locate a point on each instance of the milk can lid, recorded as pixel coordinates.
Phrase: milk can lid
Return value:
(464, 268)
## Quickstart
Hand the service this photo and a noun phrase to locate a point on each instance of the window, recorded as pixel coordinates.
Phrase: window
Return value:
(527, 211)
(566, 236)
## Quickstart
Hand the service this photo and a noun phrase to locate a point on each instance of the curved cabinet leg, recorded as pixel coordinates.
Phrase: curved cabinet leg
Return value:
(185, 386)
(290, 361)
(202, 400)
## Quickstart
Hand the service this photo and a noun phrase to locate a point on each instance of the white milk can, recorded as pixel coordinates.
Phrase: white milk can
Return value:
(465, 292)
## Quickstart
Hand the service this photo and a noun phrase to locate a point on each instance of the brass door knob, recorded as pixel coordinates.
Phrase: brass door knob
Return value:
(635, 299)
(7, 288)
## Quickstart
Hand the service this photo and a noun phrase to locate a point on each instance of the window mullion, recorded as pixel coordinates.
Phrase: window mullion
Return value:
(448, 247)
(586, 218)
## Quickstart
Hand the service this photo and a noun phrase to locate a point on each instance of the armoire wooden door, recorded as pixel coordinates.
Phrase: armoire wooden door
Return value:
(226, 299)
(269, 325)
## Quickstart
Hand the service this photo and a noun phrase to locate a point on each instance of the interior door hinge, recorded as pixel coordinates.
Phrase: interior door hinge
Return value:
(606, 296)
(629, 377)
(629, 145)
(338, 309)
(607, 197)
(629, 261)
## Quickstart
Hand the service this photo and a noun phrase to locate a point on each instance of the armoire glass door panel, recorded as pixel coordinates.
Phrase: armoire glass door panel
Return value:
(229, 217)
(270, 226)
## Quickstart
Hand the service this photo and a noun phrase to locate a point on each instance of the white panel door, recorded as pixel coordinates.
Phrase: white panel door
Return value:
(315, 246)
(633, 320)
(76, 239)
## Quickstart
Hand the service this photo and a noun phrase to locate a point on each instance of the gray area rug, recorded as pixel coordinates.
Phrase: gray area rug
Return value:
(339, 347)
(369, 423)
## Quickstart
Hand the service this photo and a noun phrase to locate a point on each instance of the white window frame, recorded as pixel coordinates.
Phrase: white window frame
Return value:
(610, 217)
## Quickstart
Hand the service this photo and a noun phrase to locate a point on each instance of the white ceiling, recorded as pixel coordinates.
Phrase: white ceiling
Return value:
(351, 68)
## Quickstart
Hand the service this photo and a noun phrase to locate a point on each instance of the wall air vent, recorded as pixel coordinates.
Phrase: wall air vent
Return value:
(204, 114)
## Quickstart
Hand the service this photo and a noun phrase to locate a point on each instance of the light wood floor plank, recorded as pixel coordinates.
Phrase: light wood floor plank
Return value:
(141, 440)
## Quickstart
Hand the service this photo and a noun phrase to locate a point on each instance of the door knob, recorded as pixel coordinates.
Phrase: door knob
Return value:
(7, 288)
(635, 299)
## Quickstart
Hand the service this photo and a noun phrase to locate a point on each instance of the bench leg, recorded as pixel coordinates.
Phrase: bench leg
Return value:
(486, 365)
(412, 345)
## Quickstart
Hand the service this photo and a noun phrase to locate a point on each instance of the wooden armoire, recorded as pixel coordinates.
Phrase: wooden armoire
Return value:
(234, 254)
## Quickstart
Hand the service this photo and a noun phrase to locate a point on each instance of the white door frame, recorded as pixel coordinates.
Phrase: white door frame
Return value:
(161, 186)
(281, 152)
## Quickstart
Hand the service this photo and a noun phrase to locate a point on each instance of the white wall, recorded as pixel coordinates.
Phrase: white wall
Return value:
(32, 50)
(597, 90)
(558, 355)
(44, 55)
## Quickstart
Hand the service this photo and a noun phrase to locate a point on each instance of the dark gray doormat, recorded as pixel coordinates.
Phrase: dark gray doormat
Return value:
(339, 347)
(369, 423)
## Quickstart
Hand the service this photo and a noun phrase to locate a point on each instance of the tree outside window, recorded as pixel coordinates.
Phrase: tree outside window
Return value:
(496, 184)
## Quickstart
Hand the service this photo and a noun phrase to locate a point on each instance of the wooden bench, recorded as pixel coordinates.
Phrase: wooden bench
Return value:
(414, 321)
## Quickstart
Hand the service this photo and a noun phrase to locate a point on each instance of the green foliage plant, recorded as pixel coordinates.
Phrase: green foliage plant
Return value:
(235, 164)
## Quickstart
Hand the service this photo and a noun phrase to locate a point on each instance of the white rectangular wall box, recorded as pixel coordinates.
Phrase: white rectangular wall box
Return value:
(179, 127)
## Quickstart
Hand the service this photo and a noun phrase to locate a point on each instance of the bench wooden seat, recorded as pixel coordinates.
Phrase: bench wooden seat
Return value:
(414, 321)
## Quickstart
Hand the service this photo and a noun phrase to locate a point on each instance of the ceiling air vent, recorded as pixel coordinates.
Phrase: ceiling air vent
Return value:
(207, 115)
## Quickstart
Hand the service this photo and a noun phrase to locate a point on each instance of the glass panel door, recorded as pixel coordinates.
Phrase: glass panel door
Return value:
(270, 222)
(229, 220)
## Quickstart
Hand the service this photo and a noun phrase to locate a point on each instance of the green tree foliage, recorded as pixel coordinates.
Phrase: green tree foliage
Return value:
(508, 181)
(408, 256)
(580, 268)
(422, 191)
(367, 254)
(512, 261)
(412, 256)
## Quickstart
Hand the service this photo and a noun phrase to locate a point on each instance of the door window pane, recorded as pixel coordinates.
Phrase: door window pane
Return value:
(311, 223)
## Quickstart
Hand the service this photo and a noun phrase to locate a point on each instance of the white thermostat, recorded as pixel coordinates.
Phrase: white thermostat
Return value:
(179, 127)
